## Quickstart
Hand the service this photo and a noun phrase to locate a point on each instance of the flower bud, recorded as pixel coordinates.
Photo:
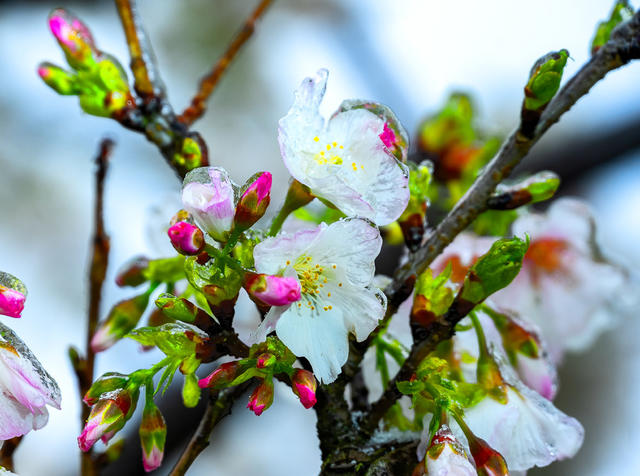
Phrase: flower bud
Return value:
(187, 239)
(536, 188)
(253, 202)
(123, 318)
(177, 308)
(58, 79)
(106, 383)
(209, 195)
(108, 416)
(273, 290)
(304, 386)
(488, 461)
(222, 376)
(265, 360)
(153, 435)
(132, 273)
(622, 11)
(13, 294)
(261, 398)
(74, 38)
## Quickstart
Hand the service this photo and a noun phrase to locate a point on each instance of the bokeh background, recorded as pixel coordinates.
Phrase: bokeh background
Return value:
(408, 54)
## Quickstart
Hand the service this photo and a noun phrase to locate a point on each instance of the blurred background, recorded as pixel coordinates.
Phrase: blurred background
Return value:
(408, 54)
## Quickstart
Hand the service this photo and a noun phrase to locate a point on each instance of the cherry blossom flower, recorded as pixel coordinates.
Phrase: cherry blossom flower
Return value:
(565, 287)
(334, 265)
(346, 161)
(527, 430)
(25, 388)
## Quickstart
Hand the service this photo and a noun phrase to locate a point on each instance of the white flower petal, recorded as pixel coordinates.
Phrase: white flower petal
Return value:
(362, 310)
(320, 337)
(272, 254)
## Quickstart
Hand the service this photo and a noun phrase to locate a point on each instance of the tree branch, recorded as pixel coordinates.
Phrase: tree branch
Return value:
(210, 81)
(218, 406)
(6, 452)
(84, 366)
(147, 82)
(623, 46)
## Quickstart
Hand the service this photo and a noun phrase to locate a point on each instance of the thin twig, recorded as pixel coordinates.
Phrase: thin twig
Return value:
(147, 82)
(211, 80)
(99, 259)
(623, 46)
(6, 452)
(218, 406)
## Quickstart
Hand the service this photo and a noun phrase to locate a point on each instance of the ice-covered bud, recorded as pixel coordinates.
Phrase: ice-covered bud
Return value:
(273, 290)
(488, 461)
(58, 79)
(186, 238)
(265, 360)
(222, 376)
(253, 202)
(209, 195)
(108, 416)
(153, 435)
(13, 294)
(11, 302)
(122, 319)
(106, 383)
(622, 11)
(261, 398)
(74, 38)
(177, 308)
(304, 385)
(133, 272)
(536, 188)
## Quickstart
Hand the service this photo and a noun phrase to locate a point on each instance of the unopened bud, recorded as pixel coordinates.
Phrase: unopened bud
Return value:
(106, 383)
(261, 398)
(74, 38)
(13, 294)
(303, 384)
(222, 376)
(190, 391)
(177, 308)
(123, 318)
(186, 238)
(273, 290)
(253, 202)
(622, 11)
(536, 188)
(58, 79)
(153, 435)
(265, 360)
(132, 273)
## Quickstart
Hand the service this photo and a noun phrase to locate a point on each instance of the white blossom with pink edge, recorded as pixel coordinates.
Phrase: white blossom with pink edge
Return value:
(346, 161)
(528, 430)
(445, 456)
(334, 265)
(25, 388)
(565, 286)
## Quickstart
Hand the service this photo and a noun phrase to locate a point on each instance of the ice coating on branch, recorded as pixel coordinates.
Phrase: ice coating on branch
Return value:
(25, 388)
(345, 161)
(334, 265)
(209, 195)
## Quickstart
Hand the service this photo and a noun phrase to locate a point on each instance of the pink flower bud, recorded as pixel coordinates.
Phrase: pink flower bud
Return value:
(261, 398)
(11, 302)
(108, 416)
(186, 238)
(254, 202)
(74, 38)
(223, 375)
(388, 137)
(265, 360)
(273, 290)
(153, 435)
(304, 386)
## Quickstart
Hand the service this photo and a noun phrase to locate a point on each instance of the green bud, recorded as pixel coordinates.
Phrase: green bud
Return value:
(106, 383)
(177, 308)
(166, 270)
(58, 79)
(176, 339)
(133, 272)
(413, 219)
(123, 317)
(621, 12)
(494, 270)
(539, 187)
(153, 435)
(190, 391)
(544, 80)
(190, 155)
(451, 125)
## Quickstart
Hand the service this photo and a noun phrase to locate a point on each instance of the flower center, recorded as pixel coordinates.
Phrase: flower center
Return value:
(332, 154)
(313, 278)
(546, 254)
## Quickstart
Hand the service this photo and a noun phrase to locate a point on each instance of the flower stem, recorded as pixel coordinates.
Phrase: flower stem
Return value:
(298, 196)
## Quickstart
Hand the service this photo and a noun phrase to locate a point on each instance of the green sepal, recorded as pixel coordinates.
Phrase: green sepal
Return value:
(177, 339)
